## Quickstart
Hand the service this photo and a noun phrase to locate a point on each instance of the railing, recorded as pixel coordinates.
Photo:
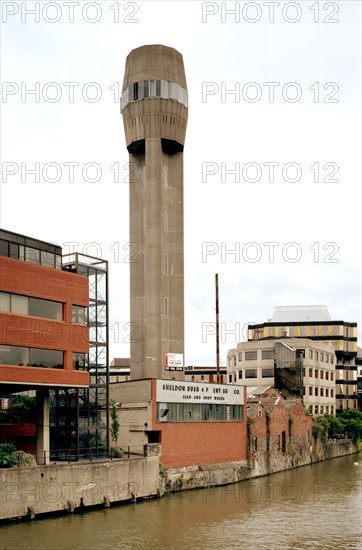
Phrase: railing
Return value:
(93, 453)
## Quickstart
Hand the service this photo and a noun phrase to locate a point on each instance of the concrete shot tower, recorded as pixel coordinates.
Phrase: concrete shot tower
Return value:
(154, 109)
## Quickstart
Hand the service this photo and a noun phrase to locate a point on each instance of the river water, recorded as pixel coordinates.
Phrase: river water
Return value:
(313, 507)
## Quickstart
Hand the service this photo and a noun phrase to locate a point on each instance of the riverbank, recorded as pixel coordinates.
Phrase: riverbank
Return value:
(39, 490)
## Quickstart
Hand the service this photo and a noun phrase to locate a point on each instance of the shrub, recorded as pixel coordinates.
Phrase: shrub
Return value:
(7, 459)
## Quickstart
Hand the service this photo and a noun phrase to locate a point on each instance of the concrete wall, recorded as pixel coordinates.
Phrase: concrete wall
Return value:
(54, 488)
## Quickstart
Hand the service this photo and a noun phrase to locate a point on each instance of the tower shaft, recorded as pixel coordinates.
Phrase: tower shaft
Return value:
(154, 108)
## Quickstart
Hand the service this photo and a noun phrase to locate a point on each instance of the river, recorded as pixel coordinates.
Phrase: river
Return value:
(312, 507)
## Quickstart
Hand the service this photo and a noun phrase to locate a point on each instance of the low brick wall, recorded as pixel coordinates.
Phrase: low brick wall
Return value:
(60, 487)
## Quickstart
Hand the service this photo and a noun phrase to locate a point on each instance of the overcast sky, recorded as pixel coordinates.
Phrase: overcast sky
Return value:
(290, 131)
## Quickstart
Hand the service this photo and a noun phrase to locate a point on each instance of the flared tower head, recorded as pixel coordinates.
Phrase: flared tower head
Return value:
(154, 75)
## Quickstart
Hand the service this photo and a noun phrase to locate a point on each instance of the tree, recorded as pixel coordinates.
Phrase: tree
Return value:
(114, 429)
(21, 409)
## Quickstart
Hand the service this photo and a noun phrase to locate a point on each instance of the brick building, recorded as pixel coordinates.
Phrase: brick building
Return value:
(279, 434)
(48, 306)
(193, 423)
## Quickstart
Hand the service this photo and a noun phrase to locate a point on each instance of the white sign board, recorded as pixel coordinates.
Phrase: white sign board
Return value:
(174, 361)
(172, 391)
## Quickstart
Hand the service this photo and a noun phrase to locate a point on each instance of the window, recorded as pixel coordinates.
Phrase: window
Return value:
(146, 88)
(321, 392)
(315, 373)
(230, 378)
(5, 302)
(80, 361)
(327, 375)
(234, 360)
(240, 355)
(322, 357)
(332, 359)
(327, 358)
(316, 391)
(165, 264)
(332, 376)
(267, 373)
(251, 355)
(267, 354)
(27, 305)
(79, 314)
(327, 392)
(310, 390)
(19, 304)
(240, 374)
(231, 362)
(310, 373)
(316, 355)
(31, 357)
(32, 255)
(310, 354)
(322, 374)
(165, 308)
(165, 220)
(316, 409)
(251, 373)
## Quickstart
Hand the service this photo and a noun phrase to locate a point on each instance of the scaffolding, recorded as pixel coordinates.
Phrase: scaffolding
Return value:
(79, 416)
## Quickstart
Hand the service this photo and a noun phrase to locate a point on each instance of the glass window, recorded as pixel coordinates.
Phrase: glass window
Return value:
(158, 88)
(14, 355)
(240, 355)
(327, 392)
(321, 392)
(251, 373)
(327, 358)
(51, 359)
(4, 301)
(322, 374)
(316, 391)
(135, 91)
(316, 355)
(240, 374)
(47, 258)
(251, 355)
(310, 390)
(80, 361)
(327, 375)
(165, 308)
(79, 314)
(332, 376)
(322, 357)
(20, 304)
(46, 309)
(4, 248)
(316, 409)
(14, 251)
(310, 354)
(332, 360)
(165, 221)
(310, 373)
(316, 373)
(152, 88)
(267, 354)
(146, 88)
(267, 373)
(32, 255)
(332, 393)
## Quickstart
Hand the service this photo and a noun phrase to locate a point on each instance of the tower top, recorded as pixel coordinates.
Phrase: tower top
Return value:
(154, 62)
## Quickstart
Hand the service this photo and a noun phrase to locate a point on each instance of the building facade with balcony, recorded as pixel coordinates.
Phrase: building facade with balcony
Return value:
(315, 323)
(296, 367)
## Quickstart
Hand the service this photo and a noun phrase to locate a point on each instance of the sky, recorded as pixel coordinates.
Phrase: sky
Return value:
(272, 192)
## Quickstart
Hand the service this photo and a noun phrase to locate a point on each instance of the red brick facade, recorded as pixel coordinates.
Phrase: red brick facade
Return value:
(27, 279)
(194, 443)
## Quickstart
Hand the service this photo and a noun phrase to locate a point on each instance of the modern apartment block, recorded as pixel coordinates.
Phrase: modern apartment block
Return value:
(315, 323)
(296, 367)
(50, 323)
(154, 108)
